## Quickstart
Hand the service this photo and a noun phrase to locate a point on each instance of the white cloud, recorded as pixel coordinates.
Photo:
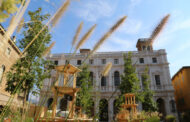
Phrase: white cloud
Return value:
(118, 44)
(131, 26)
(95, 9)
(184, 46)
(132, 5)
(135, 2)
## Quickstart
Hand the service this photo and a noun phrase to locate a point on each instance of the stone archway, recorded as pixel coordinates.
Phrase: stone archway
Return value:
(49, 103)
(103, 110)
(161, 106)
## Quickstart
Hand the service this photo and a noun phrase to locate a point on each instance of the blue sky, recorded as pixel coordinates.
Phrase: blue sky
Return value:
(143, 16)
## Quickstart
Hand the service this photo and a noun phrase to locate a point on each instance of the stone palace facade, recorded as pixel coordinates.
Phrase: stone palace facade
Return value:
(104, 88)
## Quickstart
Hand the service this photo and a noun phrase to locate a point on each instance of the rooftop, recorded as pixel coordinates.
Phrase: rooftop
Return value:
(184, 67)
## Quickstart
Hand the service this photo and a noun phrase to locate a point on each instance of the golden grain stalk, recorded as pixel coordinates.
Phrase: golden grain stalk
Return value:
(159, 28)
(1, 2)
(106, 69)
(77, 34)
(60, 12)
(17, 19)
(48, 49)
(12, 20)
(85, 37)
(108, 34)
(21, 24)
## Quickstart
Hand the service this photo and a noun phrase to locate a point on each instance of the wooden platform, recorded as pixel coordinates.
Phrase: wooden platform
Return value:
(64, 90)
(64, 120)
(67, 69)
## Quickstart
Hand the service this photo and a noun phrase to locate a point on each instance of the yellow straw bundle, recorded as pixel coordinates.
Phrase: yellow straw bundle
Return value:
(106, 69)
(159, 28)
(77, 34)
(108, 34)
(48, 49)
(60, 12)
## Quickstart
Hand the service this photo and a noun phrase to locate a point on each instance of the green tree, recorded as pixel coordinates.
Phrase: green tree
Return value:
(8, 7)
(84, 96)
(148, 104)
(129, 80)
(31, 69)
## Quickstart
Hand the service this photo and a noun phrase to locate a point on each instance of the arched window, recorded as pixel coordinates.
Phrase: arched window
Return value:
(103, 81)
(91, 77)
(144, 47)
(116, 78)
(148, 48)
(172, 106)
(49, 103)
(2, 70)
(63, 104)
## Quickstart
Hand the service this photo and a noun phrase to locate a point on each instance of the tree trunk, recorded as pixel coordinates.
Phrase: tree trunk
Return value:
(24, 106)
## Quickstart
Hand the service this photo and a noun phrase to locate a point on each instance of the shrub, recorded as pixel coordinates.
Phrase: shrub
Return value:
(153, 119)
(150, 116)
(186, 116)
(170, 118)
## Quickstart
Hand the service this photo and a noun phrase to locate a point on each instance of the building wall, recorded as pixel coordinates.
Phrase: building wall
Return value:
(164, 91)
(9, 53)
(181, 85)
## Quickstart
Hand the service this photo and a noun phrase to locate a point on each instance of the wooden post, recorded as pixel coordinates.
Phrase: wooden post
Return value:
(74, 80)
(54, 105)
(65, 79)
(73, 105)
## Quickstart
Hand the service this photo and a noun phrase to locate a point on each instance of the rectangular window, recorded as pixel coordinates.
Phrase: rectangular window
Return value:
(8, 51)
(116, 61)
(79, 62)
(142, 80)
(157, 79)
(91, 61)
(56, 62)
(141, 60)
(67, 62)
(103, 61)
(154, 60)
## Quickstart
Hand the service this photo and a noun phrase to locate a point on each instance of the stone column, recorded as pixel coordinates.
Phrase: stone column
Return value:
(167, 105)
(110, 82)
(97, 84)
(110, 110)
(96, 105)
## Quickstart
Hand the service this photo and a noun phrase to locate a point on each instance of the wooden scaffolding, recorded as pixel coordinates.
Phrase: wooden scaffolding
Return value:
(65, 85)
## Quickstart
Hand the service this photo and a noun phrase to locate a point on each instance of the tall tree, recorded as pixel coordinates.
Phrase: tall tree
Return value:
(84, 96)
(31, 69)
(129, 80)
(8, 7)
(148, 104)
